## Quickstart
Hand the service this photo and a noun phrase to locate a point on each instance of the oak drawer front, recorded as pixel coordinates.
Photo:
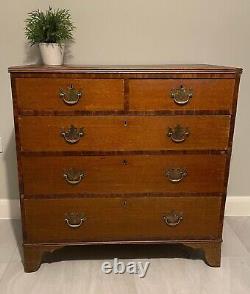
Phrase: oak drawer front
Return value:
(114, 219)
(54, 94)
(119, 133)
(123, 174)
(175, 94)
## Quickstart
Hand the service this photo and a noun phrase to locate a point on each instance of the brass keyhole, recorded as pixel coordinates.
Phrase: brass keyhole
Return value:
(124, 203)
(125, 162)
(125, 123)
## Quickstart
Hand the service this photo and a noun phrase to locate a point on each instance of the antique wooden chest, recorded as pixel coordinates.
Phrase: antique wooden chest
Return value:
(123, 154)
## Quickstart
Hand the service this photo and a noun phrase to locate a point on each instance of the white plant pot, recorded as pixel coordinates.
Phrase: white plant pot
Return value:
(52, 53)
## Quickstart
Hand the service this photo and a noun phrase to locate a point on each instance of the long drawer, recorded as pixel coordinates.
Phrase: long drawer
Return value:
(120, 133)
(181, 94)
(61, 94)
(114, 219)
(123, 174)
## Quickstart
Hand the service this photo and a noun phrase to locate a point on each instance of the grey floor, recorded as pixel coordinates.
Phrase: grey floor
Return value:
(81, 271)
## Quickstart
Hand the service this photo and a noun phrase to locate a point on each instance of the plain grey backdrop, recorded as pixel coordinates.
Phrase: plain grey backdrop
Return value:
(136, 32)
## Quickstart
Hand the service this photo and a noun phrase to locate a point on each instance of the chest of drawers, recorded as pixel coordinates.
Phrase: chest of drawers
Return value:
(123, 155)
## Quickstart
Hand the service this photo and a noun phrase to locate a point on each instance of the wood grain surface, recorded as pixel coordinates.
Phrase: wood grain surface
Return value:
(126, 113)
(123, 174)
(43, 94)
(155, 94)
(122, 219)
(107, 133)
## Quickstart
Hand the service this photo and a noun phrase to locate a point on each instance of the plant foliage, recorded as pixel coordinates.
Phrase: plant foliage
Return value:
(51, 26)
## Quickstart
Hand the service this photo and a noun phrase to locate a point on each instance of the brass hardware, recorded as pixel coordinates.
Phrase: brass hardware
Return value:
(181, 95)
(71, 96)
(74, 220)
(124, 203)
(73, 176)
(173, 218)
(178, 134)
(125, 123)
(175, 175)
(125, 162)
(72, 135)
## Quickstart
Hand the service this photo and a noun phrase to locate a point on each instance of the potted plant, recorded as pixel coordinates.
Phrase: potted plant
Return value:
(50, 30)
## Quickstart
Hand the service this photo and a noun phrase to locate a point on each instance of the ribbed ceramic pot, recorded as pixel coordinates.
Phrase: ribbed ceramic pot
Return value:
(52, 53)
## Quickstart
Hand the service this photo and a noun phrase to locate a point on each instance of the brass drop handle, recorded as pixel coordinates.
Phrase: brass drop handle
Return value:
(72, 135)
(71, 96)
(73, 176)
(178, 134)
(173, 218)
(74, 220)
(181, 95)
(175, 175)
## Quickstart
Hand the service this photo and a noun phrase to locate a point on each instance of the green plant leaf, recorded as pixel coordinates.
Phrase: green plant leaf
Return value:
(51, 26)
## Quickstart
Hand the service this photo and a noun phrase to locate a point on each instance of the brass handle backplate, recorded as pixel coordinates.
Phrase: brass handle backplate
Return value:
(74, 220)
(73, 176)
(173, 218)
(181, 95)
(71, 96)
(178, 134)
(175, 175)
(72, 135)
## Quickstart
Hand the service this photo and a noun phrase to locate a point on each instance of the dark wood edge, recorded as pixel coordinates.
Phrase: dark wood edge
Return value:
(230, 142)
(17, 132)
(235, 101)
(125, 153)
(126, 75)
(126, 111)
(18, 154)
(126, 242)
(126, 96)
(117, 69)
(122, 195)
(23, 217)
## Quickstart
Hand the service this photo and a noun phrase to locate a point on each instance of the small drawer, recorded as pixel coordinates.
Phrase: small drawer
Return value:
(50, 94)
(123, 174)
(121, 133)
(115, 219)
(181, 94)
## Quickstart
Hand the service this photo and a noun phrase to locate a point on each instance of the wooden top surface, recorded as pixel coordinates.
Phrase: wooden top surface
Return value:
(171, 68)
